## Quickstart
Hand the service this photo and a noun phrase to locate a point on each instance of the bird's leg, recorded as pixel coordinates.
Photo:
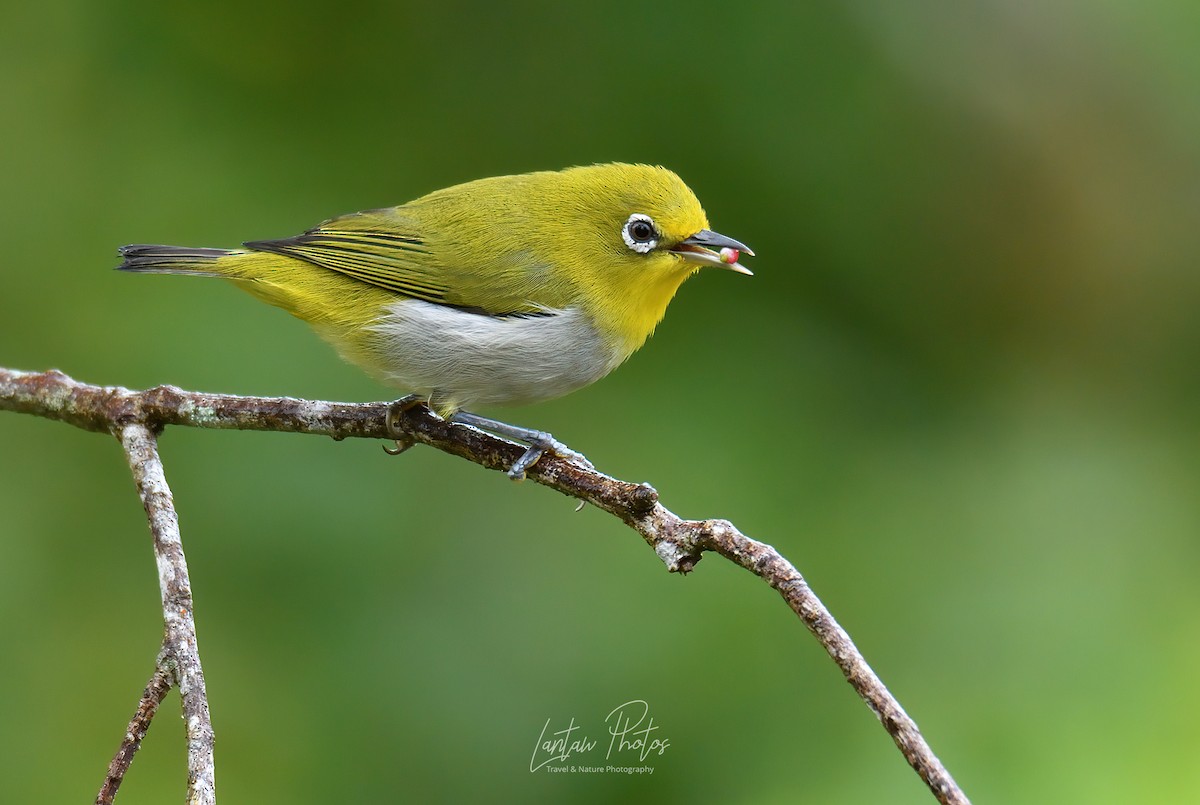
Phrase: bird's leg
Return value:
(539, 442)
(403, 440)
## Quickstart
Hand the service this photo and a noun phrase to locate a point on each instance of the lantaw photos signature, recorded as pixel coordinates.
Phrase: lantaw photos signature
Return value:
(631, 731)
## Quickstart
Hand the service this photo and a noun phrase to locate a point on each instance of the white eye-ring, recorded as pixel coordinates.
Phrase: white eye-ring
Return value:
(640, 233)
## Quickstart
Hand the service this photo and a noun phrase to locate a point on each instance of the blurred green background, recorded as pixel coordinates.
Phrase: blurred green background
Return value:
(960, 394)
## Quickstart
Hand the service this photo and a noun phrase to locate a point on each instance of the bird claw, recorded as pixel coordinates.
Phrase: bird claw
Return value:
(539, 445)
(530, 457)
(394, 412)
(400, 447)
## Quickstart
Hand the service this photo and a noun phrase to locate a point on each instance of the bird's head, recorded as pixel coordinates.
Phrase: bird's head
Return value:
(645, 218)
(632, 235)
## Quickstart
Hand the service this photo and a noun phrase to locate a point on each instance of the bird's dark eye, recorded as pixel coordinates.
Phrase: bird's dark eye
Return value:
(640, 233)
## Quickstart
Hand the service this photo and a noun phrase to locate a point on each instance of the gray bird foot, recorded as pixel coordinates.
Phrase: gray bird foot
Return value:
(540, 443)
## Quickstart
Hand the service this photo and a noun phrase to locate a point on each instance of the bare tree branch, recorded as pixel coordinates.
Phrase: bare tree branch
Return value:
(679, 543)
(179, 654)
(156, 691)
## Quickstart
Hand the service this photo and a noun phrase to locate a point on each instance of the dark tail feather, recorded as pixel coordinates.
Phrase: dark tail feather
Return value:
(147, 259)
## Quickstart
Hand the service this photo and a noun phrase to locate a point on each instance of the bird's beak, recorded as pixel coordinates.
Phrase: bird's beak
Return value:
(699, 249)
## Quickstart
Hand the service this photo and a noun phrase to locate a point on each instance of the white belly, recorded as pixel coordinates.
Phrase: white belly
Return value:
(463, 359)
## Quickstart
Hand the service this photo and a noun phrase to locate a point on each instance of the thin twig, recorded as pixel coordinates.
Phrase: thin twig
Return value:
(679, 543)
(152, 696)
(180, 655)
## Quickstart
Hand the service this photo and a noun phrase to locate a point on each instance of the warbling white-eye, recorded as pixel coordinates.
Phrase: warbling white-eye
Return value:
(501, 291)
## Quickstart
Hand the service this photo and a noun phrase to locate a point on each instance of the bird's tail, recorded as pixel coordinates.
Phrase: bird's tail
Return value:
(147, 259)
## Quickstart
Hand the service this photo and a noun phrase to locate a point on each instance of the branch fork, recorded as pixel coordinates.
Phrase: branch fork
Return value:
(136, 418)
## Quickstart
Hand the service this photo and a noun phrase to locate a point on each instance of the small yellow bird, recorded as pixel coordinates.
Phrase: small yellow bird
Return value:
(501, 291)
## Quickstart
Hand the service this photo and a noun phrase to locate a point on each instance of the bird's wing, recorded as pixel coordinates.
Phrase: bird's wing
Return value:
(380, 247)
